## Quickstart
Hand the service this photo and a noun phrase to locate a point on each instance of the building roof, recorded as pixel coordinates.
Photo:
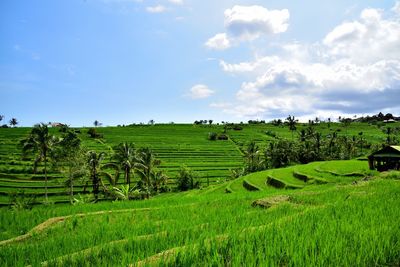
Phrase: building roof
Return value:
(389, 151)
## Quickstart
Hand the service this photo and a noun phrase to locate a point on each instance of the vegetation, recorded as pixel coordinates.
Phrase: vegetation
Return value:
(276, 205)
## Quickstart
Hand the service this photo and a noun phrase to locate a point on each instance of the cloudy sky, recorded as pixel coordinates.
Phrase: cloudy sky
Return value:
(124, 61)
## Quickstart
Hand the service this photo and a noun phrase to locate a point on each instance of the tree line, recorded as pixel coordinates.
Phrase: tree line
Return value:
(90, 168)
(308, 145)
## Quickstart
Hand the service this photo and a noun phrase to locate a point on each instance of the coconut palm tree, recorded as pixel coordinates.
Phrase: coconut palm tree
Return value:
(94, 160)
(72, 158)
(145, 167)
(42, 143)
(252, 155)
(125, 155)
(13, 122)
(291, 122)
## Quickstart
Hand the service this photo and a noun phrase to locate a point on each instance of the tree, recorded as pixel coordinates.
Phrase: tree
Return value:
(186, 179)
(1, 117)
(13, 122)
(96, 123)
(125, 155)
(94, 160)
(72, 157)
(145, 166)
(291, 122)
(42, 143)
(252, 157)
(210, 122)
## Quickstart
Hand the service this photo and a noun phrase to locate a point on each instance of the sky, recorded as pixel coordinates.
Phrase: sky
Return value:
(131, 61)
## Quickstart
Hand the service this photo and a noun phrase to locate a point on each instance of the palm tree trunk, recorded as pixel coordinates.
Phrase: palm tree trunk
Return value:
(45, 178)
(128, 178)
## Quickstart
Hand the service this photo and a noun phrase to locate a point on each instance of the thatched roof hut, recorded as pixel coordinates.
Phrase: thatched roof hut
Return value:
(385, 159)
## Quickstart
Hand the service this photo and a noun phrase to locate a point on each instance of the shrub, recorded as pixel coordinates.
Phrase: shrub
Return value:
(93, 133)
(20, 200)
(237, 128)
(223, 137)
(212, 136)
(187, 179)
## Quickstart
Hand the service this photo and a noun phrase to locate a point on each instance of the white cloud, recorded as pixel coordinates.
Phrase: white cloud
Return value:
(200, 91)
(354, 69)
(396, 8)
(247, 23)
(219, 42)
(176, 2)
(156, 9)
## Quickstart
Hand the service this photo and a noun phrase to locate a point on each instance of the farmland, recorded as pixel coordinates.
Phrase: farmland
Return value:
(175, 145)
(297, 215)
(302, 223)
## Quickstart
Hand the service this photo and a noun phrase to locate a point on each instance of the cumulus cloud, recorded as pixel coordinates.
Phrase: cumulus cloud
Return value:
(355, 68)
(247, 23)
(200, 91)
(156, 9)
(396, 8)
(219, 42)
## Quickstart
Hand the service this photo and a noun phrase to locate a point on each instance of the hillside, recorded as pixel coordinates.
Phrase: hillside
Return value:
(303, 223)
(176, 145)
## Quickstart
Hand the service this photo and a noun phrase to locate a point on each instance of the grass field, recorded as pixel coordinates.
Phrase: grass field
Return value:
(349, 220)
(176, 145)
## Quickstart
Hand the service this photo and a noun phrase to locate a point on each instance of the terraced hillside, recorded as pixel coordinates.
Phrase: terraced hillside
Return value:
(175, 145)
(304, 225)
(302, 176)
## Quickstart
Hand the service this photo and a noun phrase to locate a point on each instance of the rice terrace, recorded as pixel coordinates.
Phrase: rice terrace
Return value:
(199, 133)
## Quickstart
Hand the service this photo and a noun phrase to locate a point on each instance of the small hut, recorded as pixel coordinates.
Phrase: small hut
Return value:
(385, 159)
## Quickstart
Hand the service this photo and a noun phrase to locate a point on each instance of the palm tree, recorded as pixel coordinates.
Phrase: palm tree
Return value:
(72, 157)
(146, 166)
(13, 122)
(125, 156)
(252, 157)
(1, 117)
(42, 143)
(291, 122)
(94, 160)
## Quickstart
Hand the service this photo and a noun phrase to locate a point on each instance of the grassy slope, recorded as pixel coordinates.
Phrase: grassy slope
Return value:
(205, 227)
(175, 145)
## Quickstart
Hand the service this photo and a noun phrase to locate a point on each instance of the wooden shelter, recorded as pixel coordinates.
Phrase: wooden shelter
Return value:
(385, 159)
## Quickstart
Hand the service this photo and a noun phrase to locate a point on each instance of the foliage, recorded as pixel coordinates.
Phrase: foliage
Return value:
(92, 132)
(125, 156)
(20, 200)
(43, 144)
(186, 179)
(212, 136)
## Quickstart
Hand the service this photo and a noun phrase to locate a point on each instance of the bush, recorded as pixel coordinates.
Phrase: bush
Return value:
(187, 179)
(237, 128)
(212, 136)
(93, 133)
(223, 137)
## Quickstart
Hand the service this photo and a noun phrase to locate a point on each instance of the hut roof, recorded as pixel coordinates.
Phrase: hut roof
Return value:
(389, 151)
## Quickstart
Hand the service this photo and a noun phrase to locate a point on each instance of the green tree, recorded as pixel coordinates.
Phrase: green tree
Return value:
(72, 158)
(291, 122)
(94, 160)
(13, 122)
(252, 157)
(145, 166)
(125, 155)
(186, 179)
(43, 144)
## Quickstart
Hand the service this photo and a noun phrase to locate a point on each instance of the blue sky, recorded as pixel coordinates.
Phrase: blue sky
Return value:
(125, 61)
